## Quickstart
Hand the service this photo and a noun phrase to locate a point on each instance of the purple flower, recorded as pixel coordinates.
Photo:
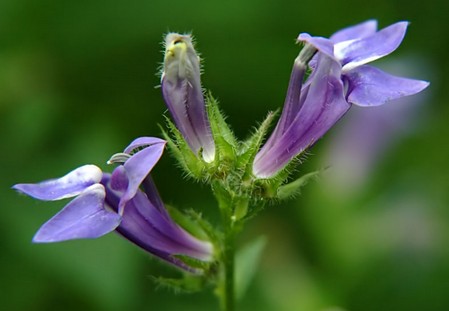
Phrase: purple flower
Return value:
(83, 217)
(339, 78)
(106, 202)
(181, 88)
(358, 45)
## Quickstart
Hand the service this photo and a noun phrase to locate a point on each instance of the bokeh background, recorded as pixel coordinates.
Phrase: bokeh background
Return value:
(77, 84)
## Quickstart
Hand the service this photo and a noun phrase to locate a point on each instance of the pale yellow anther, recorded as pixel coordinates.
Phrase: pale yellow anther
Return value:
(176, 48)
(180, 60)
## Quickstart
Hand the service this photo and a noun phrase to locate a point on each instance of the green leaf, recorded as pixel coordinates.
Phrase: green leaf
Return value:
(246, 264)
(294, 188)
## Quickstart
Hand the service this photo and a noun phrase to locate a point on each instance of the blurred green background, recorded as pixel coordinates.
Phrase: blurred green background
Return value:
(77, 84)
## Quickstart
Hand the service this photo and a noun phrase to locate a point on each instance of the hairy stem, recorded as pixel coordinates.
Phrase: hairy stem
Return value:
(228, 299)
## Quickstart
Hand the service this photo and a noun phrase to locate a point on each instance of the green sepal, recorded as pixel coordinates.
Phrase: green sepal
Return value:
(246, 264)
(293, 188)
(223, 196)
(253, 144)
(241, 208)
(191, 163)
(225, 141)
(271, 185)
(187, 284)
(205, 226)
(192, 262)
(291, 167)
(191, 222)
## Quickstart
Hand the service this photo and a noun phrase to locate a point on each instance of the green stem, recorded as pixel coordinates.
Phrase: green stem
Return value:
(228, 299)
(233, 209)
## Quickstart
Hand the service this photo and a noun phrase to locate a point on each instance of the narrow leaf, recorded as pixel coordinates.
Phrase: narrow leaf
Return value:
(247, 261)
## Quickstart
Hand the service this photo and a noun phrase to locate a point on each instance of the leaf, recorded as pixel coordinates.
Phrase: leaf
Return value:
(246, 264)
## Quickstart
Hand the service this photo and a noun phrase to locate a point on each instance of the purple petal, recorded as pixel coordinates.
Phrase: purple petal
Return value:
(185, 102)
(154, 230)
(324, 105)
(118, 183)
(175, 96)
(83, 217)
(358, 31)
(321, 44)
(359, 52)
(151, 227)
(143, 142)
(153, 194)
(138, 167)
(115, 185)
(118, 180)
(369, 86)
(67, 186)
(292, 103)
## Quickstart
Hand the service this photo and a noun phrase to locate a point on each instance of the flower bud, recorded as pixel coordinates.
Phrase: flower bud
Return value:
(183, 94)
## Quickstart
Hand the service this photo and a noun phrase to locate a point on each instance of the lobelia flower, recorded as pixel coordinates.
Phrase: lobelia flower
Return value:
(183, 94)
(106, 202)
(339, 78)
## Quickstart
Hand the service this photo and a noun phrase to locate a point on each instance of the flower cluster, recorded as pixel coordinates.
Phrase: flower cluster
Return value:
(241, 174)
